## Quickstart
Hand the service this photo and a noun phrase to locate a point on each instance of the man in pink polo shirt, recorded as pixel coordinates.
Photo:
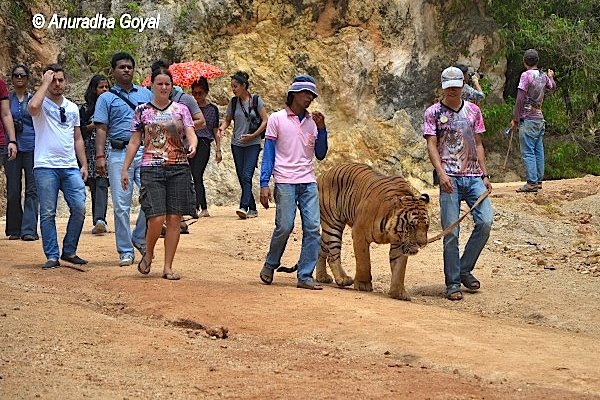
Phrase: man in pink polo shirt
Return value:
(293, 136)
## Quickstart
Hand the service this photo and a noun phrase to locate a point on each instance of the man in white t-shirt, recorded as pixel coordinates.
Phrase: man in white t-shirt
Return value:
(293, 137)
(57, 141)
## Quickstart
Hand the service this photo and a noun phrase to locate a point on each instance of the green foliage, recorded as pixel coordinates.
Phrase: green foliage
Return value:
(17, 13)
(566, 34)
(134, 8)
(569, 160)
(497, 118)
(185, 15)
(90, 51)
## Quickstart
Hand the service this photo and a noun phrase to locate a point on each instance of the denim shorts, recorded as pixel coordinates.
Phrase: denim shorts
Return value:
(167, 190)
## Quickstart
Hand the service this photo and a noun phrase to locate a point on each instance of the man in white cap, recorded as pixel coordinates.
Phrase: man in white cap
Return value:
(453, 129)
(293, 136)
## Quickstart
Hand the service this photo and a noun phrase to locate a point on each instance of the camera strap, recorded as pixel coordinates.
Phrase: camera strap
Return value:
(247, 113)
(125, 99)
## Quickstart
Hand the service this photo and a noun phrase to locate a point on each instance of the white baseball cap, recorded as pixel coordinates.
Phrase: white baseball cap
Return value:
(452, 77)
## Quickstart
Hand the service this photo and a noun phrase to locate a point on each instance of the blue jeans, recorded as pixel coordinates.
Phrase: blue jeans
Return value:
(469, 189)
(305, 197)
(531, 138)
(21, 221)
(48, 182)
(122, 202)
(246, 160)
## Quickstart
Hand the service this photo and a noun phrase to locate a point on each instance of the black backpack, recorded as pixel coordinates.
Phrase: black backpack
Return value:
(255, 120)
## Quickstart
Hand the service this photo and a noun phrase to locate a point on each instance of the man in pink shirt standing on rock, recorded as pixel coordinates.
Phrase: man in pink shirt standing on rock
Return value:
(293, 136)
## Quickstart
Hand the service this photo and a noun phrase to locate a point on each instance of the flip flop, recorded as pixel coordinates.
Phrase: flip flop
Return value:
(311, 285)
(454, 296)
(171, 276)
(527, 188)
(470, 282)
(266, 275)
(144, 266)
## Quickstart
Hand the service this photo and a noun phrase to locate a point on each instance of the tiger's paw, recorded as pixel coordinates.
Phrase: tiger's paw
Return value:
(345, 281)
(363, 286)
(399, 294)
(323, 278)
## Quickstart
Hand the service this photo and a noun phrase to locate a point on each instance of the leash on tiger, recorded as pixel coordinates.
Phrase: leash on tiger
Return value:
(187, 220)
(455, 223)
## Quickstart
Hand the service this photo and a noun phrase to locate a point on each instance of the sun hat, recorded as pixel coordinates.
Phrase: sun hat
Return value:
(452, 77)
(302, 83)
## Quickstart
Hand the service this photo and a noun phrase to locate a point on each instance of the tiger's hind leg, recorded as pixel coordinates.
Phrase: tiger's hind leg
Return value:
(398, 265)
(331, 239)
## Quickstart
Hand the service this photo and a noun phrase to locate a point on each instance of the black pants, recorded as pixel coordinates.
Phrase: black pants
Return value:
(198, 166)
(99, 190)
(21, 220)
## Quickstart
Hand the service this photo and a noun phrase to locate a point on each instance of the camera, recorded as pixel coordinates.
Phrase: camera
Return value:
(473, 72)
(18, 126)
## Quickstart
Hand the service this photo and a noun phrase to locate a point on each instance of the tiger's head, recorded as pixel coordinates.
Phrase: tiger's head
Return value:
(408, 223)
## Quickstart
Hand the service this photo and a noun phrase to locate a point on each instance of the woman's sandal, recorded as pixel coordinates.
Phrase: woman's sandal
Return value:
(144, 266)
(470, 282)
(171, 276)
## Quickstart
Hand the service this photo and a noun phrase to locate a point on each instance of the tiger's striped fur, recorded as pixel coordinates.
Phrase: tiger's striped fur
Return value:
(379, 209)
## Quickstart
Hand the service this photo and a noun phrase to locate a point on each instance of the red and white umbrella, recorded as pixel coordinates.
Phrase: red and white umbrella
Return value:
(186, 73)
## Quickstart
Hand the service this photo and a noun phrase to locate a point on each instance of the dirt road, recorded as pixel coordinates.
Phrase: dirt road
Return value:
(533, 331)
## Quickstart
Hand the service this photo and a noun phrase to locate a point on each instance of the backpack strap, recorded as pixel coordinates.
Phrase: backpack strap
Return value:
(216, 110)
(233, 105)
(178, 96)
(255, 103)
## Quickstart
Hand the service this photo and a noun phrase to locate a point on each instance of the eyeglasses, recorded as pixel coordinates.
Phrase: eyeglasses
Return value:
(19, 75)
(63, 115)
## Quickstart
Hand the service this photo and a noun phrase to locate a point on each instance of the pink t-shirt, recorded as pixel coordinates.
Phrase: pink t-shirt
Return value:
(534, 83)
(294, 146)
(162, 135)
(455, 131)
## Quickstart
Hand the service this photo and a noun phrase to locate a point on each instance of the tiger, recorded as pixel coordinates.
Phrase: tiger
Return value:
(379, 209)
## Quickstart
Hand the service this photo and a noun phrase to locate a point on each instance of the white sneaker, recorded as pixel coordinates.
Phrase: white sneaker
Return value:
(252, 214)
(243, 214)
(126, 259)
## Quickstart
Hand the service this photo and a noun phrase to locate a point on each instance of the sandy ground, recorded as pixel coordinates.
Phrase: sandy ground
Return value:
(532, 332)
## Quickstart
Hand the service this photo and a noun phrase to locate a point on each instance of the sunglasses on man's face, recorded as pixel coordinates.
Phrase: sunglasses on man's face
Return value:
(19, 75)
(63, 115)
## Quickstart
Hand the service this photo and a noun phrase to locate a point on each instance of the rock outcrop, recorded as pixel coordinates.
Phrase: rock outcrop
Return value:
(377, 63)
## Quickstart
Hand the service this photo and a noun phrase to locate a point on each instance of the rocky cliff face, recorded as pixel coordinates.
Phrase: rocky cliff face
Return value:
(377, 63)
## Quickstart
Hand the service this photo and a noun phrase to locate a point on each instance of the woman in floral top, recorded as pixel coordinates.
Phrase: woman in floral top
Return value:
(166, 193)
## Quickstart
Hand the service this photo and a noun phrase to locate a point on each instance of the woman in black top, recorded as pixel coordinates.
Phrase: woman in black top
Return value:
(205, 137)
(98, 184)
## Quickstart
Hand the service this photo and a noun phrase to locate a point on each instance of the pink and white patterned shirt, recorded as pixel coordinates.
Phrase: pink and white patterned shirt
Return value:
(162, 133)
(455, 131)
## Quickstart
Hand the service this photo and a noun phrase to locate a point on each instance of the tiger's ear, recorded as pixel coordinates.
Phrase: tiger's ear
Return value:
(424, 197)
